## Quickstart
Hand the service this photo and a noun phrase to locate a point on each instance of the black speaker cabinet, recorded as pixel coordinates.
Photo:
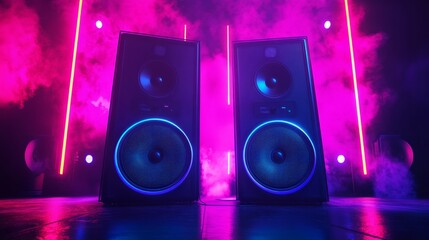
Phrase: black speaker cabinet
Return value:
(152, 143)
(279, 155)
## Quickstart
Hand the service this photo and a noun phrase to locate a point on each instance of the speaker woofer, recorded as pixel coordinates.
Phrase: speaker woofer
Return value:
(279, 157)
(157, 79)
(273, 80)
(153, 156)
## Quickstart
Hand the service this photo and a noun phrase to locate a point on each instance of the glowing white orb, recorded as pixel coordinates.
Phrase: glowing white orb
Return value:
(89, 159)
(327, 24)
(99, 24)
(341, 158)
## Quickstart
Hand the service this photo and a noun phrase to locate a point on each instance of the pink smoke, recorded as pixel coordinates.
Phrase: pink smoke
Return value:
(97, 54)
(217, 128)
(331, 62)
(20, 54)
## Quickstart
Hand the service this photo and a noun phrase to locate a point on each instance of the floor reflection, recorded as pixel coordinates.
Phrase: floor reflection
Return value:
(372, 222)
(52, 227)
(219, 219)
(225, 219)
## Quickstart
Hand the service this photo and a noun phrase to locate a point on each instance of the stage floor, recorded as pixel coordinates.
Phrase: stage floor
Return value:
(86, 218)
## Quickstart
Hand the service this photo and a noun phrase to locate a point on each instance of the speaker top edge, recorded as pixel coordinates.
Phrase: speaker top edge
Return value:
(272, 40)
(124, 33)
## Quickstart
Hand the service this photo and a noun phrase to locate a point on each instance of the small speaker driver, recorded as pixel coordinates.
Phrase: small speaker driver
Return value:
(273, 80)
(157, 79)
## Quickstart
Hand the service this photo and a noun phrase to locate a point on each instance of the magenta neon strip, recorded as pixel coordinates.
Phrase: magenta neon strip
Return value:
(228, 63)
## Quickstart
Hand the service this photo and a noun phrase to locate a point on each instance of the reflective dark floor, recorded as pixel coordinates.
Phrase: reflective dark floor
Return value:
(86, 218)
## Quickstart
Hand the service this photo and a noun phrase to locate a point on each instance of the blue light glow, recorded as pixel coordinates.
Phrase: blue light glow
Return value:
(279, 191)
(135, 187)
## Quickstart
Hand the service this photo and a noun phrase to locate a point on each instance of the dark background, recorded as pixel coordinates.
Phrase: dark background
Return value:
(404, 58)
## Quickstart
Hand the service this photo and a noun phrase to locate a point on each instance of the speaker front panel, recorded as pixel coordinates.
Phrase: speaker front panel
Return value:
(278, 143)
(151, 152)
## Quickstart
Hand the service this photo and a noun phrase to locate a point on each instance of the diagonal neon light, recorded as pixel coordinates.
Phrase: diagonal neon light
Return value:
(228, 63)
(70, 93)
(355, 86)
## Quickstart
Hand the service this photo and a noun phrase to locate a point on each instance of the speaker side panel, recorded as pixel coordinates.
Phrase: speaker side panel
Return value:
(135, 99)
(260, 102)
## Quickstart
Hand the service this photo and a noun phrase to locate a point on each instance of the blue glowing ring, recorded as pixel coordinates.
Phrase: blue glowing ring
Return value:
(129, 183)
(278, 191)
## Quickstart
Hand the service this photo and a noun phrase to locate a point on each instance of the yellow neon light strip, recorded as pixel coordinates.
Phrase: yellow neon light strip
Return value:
(362, 145)
(66, 125)
(228, 63)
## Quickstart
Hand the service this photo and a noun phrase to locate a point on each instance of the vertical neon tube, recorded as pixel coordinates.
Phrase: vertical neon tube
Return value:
(229, 162)
(70, 93)
(228, 77)
(184, 32)
(228, 65)
(355, 86)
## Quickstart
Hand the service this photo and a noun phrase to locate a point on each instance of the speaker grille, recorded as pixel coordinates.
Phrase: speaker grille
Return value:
(279, 157)
(273, 80)
(157, 79)
(153, 156)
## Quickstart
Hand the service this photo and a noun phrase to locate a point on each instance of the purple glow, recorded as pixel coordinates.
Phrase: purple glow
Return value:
(89, 159)
(341, 159)
(99, 24)
(392, 177)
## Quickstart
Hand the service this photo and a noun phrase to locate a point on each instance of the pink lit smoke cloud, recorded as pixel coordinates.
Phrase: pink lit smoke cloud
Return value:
(329, 53)
(34, 53)
(217, 129)
(21, 61)
(97, 54)
(330, 56)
